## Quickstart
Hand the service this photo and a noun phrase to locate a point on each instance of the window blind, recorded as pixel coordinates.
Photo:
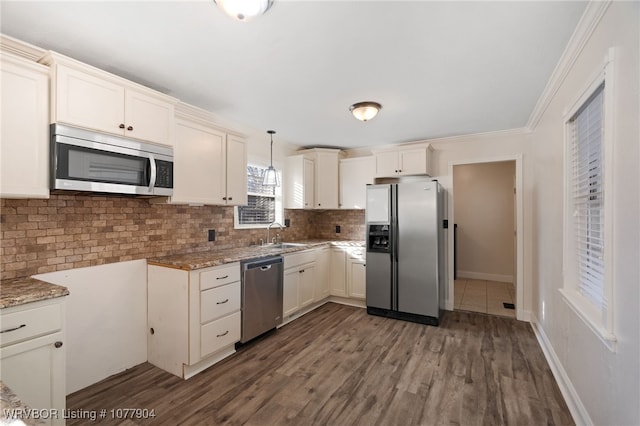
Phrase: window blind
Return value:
(587, 196)
(261, 200)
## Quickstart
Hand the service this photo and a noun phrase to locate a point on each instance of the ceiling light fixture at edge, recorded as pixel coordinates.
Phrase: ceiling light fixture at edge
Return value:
(244, 10)
(365, 111)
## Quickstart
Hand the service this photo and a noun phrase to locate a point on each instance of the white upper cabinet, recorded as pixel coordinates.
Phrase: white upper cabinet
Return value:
(312, 179)
(355, 174)
(299, 182)
(236, 171)
(90, 98)
(24, 143)
(198, 171)
(327, 181)
(210, 166)
(403, 162)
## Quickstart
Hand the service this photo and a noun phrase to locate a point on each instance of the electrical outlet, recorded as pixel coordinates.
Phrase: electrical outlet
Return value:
(212, 234)
(337, 229)
(287, 223)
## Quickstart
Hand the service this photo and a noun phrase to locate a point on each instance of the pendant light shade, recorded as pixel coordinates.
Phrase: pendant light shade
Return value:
(365, 111)
(244, 10)
(271, 175)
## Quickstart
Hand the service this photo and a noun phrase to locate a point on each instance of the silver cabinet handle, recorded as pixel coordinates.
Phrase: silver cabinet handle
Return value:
(14, 328)
(152, 178)
(223, 334)
(222, 278)
(266, 267)
(223, 302)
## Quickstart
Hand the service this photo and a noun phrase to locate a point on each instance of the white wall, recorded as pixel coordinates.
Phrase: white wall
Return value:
(484, 213)
(603, 387)
(106, 320)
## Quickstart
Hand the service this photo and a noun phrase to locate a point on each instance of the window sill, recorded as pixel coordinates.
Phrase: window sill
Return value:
(573, 299)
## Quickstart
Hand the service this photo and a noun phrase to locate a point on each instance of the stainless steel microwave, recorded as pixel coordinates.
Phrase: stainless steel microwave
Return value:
(83, 160)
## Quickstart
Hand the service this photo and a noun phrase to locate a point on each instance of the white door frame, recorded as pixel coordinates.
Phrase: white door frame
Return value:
(520, 311)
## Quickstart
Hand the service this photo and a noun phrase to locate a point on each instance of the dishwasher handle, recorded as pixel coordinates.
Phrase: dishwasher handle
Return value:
(263, 264)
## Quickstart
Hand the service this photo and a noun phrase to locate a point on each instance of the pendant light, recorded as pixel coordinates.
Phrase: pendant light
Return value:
(271, 175)
(365, 111)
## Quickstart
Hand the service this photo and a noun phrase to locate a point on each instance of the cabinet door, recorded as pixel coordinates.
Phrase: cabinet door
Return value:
(337, 274)
(148, 117)
(24, 134)
(86, 100)
(357, 279)
(387, 164)
(355, 174)
(290, 291)
(307, 284)
(198, 164)
(308, 171)
(413, 161)
(35, 371)
(326, 177)
(322, 274)
(236, 171)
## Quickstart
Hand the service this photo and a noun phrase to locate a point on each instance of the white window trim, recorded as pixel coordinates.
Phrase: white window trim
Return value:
(600, 321)
(279, 208)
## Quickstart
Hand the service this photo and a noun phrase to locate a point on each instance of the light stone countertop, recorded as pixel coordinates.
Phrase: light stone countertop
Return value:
(19, 291)
(206, 259)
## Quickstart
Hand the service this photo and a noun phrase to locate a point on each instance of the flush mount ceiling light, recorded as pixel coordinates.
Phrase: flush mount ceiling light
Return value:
(244, 10)
(365, 111)
(271, 175)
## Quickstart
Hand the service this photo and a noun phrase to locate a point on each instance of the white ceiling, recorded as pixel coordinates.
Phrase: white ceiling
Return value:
(438, 68)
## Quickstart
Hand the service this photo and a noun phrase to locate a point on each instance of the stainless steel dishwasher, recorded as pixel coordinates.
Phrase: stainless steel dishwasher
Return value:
(261, 296)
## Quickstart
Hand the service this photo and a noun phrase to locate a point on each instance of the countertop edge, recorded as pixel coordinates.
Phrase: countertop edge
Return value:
(209, 259)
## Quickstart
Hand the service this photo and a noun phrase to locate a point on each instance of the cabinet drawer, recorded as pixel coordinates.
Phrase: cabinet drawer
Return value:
(295, 259)
(28, 323)
(219, 301)
(220, 333)
(219, 276)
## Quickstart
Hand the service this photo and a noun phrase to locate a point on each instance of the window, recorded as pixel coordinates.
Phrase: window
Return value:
(264, 204)
(587, 224)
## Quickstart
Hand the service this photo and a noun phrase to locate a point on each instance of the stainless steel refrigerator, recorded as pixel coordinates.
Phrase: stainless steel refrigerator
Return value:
(405, 244)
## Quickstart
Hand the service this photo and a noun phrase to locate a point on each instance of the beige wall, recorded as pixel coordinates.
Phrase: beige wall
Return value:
(605, 385)
(484, 212)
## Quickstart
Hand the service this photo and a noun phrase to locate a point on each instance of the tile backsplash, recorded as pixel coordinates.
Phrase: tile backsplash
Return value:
(73, 231)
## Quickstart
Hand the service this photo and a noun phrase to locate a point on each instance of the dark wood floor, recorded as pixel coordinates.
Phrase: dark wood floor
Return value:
(339, 366)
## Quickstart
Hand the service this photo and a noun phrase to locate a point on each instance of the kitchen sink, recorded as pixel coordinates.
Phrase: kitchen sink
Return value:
(283, 245)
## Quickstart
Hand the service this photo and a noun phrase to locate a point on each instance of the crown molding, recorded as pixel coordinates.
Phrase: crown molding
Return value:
(483, 135)
(589, 21)
(20, 48)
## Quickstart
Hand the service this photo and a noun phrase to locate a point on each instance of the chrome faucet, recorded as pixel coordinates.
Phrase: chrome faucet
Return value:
(269, 227)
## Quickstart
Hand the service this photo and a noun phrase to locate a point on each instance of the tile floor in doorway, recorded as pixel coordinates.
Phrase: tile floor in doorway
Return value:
(484, 296)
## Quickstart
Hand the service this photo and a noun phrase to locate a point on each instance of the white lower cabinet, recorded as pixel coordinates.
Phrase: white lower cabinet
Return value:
(356, 273)
(323, 266)
(193, 317)
(299, 281)
(32, 354)
(338, 272)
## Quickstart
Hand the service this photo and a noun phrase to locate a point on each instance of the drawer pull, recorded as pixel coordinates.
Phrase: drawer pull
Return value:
(58, 344)
(223, 334)
(14, 328)
(222, 278)
(223, 302)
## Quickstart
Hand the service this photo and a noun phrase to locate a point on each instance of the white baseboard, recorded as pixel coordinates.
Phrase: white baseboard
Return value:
(484, 276)
(576, 407)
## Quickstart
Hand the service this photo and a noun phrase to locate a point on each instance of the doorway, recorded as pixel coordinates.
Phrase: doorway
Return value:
(485, 210)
